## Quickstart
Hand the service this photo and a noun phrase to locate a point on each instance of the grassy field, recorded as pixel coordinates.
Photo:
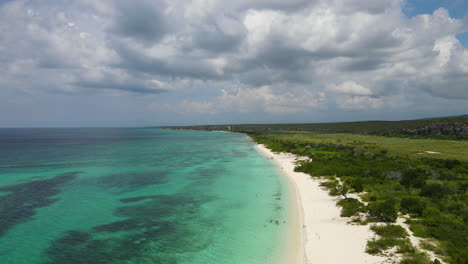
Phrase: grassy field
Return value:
(383, 128)
(415, 148)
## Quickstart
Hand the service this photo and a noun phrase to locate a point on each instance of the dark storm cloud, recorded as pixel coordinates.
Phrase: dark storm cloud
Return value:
(363, 64)
(140, 20)
(449, 86)
(281, 56)
(291, 5)
(222, 35)
(370, 6)
(134, 60)
(134, 87)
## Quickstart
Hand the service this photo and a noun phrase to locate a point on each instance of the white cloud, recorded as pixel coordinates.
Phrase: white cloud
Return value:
(255, 56)
(350, 88)
(247, 100)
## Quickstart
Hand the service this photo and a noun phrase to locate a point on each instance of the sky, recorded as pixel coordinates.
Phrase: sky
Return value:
(179, 62)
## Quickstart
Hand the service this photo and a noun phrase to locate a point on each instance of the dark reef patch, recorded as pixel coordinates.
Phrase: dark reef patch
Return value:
(137, 199)
(165, 224)
(118, 226)
(21, 200)
(204, 177)
(131, 181)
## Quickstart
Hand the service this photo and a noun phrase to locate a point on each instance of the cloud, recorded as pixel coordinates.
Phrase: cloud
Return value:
(139, 20)
(151, 88)
(247, 100)
(291, 5)
(214, 57)
(350, 95)
(350, 88)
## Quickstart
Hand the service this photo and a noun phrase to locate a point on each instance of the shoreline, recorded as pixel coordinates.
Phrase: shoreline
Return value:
(325, 236)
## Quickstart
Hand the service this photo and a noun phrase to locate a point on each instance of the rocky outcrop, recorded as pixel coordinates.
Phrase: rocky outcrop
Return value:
(457, 129)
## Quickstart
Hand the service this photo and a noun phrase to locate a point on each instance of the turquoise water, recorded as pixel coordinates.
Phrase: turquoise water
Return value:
(138, 196)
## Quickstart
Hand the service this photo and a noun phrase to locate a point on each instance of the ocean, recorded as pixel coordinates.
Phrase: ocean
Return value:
(125, 195)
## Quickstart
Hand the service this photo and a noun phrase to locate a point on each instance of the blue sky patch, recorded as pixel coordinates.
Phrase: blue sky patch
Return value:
(456, 8)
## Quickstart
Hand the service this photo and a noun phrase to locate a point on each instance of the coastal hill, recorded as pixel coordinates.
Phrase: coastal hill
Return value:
(453, 127)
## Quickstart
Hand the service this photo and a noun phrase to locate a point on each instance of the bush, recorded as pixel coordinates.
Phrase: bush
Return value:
(373, 247)
(418, 229)
(376, 246)
(416, 258)
(384, 211)
(389, 230)
(390, 236)
(343, 190)
(350, 207)
(435, 190)
(412, 205)
(357, 185)
(334, 191)
(406, 247)
(413, 178)
(329, 184)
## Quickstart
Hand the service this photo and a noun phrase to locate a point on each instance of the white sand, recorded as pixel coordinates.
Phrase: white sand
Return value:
(326, 237)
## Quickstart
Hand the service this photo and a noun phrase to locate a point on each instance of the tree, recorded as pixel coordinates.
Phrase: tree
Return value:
(343, 190)
(413, 205)
(414, 178)
(435, 190)
(384, 211)
(357, 185)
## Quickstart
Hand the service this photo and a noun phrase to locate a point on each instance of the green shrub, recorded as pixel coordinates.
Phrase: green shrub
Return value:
(406, 247)
(357, 184)
(434, 247)
(416, 258)
(435, 190)
(389, 230)
(343, 190)
(329, 184)
(413, 178)
(351, 207)
(384, 211)
(373, 247)
(418, 229)
(377, 246)
(412, 205)
(334, 191)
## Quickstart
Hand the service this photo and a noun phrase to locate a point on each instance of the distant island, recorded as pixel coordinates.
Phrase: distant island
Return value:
(400, 185)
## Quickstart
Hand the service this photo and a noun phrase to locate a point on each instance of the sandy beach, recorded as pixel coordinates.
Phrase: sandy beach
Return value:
(326, 237)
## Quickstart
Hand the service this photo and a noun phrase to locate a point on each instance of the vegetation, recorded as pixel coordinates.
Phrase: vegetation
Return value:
(418, 258)
(417, 168)
(351, 207)
(440, 128)
(430, 189)
(390, 236)
(412, 148)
